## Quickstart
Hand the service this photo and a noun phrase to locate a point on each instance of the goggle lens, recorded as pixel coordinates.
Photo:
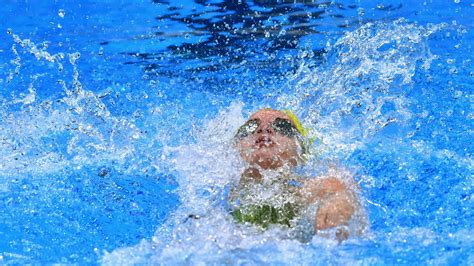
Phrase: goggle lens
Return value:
(280, 125)
(284, 127)
(248, 128)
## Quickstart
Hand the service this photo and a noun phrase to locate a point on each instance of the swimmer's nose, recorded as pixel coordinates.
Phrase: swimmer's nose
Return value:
(267, 130)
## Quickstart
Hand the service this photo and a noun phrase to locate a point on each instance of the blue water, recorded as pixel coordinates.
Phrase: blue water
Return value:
(116, 120)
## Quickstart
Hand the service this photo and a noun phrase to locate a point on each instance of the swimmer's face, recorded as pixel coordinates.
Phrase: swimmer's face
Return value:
(268, 139)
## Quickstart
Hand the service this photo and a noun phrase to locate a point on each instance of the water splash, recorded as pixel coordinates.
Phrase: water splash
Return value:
(73, 131)
(39, 53)
(363, 86)
(202, 226)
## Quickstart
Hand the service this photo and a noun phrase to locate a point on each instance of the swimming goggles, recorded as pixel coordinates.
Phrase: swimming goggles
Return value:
(280, 125)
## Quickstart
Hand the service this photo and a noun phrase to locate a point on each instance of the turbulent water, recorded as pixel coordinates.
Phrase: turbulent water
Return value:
(134, 167)
(363, 88)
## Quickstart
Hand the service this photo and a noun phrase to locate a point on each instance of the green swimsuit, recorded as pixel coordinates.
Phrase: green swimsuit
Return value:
(280, 208)
(264, 215)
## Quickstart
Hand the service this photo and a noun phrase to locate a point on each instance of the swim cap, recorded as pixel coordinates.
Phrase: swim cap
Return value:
(297, 122)
(305, 141)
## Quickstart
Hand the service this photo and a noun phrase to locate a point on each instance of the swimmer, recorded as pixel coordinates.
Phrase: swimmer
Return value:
(269, 192)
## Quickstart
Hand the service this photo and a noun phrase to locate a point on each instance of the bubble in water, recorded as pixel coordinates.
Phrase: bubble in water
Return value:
(457, 94)
(457, 1)
(61, 13)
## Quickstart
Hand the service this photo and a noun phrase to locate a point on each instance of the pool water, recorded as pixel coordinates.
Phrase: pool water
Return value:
(117, 119)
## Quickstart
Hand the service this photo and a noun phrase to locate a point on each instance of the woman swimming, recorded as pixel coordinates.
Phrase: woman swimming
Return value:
(269, 192)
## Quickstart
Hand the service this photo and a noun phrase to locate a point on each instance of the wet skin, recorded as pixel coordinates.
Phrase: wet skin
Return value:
(268, 149)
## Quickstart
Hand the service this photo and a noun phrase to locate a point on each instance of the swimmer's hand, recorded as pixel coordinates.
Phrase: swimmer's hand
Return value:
(337, 203)
(333, 211)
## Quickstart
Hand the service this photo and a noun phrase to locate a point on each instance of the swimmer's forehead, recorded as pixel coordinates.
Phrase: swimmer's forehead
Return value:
(269, 115)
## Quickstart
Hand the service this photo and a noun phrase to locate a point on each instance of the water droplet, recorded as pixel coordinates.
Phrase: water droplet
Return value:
(186, 36)
(61, 13)
(101, 51)
(453, 70)
(457, 94)
(60, 26)
(457, 1)
(267, 34)
(103, 172)
(135, 135)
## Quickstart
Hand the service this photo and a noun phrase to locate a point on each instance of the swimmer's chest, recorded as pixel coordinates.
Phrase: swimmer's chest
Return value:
(266, 204)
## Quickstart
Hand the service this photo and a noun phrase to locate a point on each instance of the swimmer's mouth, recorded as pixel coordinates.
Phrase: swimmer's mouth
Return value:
(264, 142)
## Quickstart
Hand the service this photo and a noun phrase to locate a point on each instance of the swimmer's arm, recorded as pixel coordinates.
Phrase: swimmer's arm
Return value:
(337, 201)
